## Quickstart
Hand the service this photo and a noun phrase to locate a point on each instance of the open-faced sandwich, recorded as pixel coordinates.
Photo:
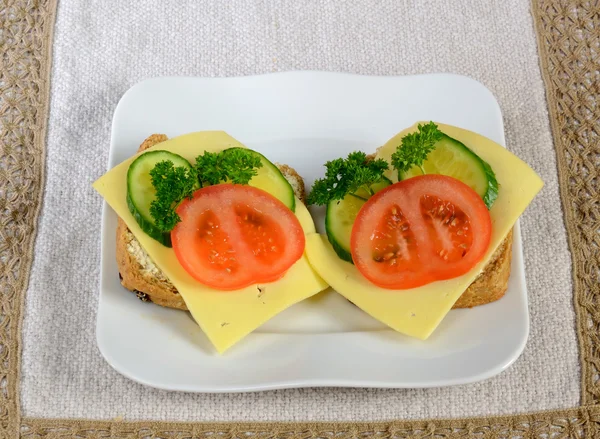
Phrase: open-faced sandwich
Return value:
(423, 225)
(207, 225)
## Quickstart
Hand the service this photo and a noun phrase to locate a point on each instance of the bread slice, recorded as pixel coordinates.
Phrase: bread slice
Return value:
(139, 274)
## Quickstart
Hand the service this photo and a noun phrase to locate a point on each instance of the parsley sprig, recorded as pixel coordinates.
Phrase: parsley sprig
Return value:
(174, 183)
(357, 174)
(415, 147)
(348, 176)
(235, 165)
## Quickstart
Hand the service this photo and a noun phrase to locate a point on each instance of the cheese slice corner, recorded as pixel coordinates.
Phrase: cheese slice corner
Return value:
(224, 316)
(418, 311)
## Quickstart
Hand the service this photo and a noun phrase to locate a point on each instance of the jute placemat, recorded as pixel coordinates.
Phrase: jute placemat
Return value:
(568, 43)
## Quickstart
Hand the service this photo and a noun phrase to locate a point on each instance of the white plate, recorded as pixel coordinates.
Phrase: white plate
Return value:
(304, 119)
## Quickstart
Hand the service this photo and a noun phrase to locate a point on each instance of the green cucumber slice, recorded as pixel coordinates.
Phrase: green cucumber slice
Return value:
(271, 180)
(452, 158)
(141, 193)
(340, 216)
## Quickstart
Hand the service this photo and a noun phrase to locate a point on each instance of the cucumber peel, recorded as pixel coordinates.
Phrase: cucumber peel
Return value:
(270, 179)
(454, 159)
(340, 216)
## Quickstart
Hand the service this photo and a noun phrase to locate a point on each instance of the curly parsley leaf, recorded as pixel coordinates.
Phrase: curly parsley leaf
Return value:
(172, 184)
(353, 175)
(415, 147)
(234, 165)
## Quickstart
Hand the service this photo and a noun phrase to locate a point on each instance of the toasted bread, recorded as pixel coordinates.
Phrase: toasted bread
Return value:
(139, 274)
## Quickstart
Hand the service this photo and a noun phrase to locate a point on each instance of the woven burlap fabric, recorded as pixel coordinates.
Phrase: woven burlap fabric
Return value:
(101, 49)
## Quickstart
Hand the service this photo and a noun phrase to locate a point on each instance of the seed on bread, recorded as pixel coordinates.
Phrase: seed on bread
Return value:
(142, 296)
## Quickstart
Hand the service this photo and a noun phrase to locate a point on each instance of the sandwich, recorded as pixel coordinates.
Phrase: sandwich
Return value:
(140, 275)
(421, 227)
(208, 225)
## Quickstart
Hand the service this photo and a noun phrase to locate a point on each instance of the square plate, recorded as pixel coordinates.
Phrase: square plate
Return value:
(304, 119)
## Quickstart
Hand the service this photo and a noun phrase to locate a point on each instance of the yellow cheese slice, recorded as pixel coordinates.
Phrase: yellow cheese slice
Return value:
(418, 311)
(224, 316)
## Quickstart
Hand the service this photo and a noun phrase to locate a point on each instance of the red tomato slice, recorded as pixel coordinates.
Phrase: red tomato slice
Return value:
(419, 230)
(232, 236)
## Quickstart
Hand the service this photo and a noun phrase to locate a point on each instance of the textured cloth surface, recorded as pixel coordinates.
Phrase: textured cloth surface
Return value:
(102, 48)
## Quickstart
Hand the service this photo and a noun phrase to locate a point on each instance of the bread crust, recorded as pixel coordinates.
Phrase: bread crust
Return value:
(139, 274)
(492, 283)
(136, 276)
(294, 179)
